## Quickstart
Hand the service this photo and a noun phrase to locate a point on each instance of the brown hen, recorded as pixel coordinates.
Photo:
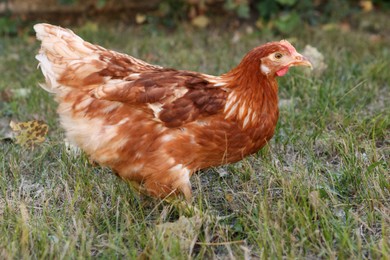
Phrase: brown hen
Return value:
(156, 126)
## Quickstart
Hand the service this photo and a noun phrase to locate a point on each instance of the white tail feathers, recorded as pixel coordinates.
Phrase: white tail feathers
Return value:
(61, 49)
(47, 30)
(46, 68)
(67, 61)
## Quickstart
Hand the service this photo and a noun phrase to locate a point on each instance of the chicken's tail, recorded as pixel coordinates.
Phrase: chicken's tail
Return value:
(65, 59)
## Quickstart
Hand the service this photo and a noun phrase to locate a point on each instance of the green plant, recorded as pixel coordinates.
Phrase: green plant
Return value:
(9, 25)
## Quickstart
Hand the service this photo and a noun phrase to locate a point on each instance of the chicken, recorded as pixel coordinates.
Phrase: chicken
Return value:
(156, 126)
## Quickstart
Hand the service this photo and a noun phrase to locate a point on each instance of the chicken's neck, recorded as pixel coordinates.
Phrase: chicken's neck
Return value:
(253, 100)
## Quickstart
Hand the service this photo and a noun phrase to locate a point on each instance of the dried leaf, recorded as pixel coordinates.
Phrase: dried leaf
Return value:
(229, 197)
(140, 18)
(29, 133)
(200, 21)
(367, 6)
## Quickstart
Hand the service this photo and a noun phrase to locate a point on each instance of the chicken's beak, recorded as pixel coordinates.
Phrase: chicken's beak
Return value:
(300, 60)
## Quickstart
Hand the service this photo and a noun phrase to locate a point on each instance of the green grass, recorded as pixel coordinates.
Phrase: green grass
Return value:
(321, 189)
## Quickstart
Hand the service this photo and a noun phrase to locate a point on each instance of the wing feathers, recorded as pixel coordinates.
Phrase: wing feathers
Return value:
(181, 96)
(67, 61)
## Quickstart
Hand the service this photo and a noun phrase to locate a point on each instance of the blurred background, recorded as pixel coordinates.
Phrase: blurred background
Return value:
(280, 16)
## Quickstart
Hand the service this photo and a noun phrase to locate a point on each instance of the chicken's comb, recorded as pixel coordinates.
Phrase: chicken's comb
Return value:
(288, 46)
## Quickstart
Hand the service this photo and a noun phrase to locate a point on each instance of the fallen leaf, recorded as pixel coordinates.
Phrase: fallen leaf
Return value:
(140, 18)
(200, 21)
(367, 6)
(229, 197)
(29, 133)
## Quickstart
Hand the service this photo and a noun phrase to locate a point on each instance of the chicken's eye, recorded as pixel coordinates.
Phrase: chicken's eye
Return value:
(278, 56)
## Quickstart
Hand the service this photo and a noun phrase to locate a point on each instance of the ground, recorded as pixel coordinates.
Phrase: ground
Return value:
(320, 189)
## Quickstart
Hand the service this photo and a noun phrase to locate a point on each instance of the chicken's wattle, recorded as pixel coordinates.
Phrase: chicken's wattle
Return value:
(282, 72)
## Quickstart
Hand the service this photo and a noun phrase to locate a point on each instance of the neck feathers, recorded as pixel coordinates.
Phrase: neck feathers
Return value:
(253, 96)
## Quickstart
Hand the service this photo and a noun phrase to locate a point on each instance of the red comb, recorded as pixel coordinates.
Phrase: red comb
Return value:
(288, 46)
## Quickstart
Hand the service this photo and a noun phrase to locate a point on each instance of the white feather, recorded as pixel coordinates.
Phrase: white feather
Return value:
(265, 69)
(220, 84)
(246, 120)
(230, 101)
(156, 107)
(47, 70)
(232, 110)
(167, 138)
